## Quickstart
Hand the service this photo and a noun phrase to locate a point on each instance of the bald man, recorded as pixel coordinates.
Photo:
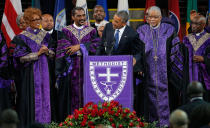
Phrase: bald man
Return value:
(178, 119)
(198, 48)
(195, 93)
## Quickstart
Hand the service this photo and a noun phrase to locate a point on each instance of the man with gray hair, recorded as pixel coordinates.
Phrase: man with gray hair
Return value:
(178, 119)
(198, 49)
(21, 22)
(120, 39)
(164, 79)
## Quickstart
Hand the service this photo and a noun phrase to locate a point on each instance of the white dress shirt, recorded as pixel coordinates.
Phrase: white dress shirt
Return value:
(121, 30)
(81, 27)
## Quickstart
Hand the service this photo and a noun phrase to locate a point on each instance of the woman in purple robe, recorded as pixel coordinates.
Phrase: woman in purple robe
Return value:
(76, 41)
(164, 67)
(32, 49)
(198, 48)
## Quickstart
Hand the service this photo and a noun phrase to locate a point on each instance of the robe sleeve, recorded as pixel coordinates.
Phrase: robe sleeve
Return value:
(176, 62)
(62, 61)
(22, 54)
(92, 45)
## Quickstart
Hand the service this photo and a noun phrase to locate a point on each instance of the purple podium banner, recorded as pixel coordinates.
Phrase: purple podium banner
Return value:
(109, 78)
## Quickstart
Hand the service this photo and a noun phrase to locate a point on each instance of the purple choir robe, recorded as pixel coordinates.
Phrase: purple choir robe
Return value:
(33, 79)
(198, 45)
(161, 48)
(5, 80)
(69, 69)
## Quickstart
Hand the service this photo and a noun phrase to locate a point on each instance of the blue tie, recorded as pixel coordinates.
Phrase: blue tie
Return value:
(116, 36)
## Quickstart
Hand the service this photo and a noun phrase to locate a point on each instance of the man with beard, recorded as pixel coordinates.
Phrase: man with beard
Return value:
(198, 47)
(99, 15)
(75, 42)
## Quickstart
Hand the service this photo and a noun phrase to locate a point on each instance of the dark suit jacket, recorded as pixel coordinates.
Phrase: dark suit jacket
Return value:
(188, 108)
(129, 44)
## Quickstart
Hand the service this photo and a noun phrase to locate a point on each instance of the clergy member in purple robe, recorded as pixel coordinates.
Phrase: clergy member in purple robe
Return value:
(163, 60)
(198, 45)
(32, 49)
(76, 41)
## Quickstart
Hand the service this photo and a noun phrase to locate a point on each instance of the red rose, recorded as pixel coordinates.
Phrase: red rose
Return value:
(65, 122)
(95, 106)
(89, 104)
(124, 115)
(71, 124)
(131, 116)
(113, 125)
(60, 124)
(141, 124)
(110, 119)
(104, 104)
(120, 126)
(131, 124)
(85, 117)
(138, 126)
(90, 123)
(100, 112)
(127, 110)
(93, 114)
(83, 123)
(139, 119)
(134, 112)
(117, 114)
(92, 126)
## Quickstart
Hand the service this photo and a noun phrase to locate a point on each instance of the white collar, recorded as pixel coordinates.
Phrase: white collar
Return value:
(122, 29)
(102, 23)
(196, 98)
(50, 32)
(155, 26)
(198, 34)
(81, 27)
(96, 24)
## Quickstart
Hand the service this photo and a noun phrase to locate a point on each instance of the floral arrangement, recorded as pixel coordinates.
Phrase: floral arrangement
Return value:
(107, 113)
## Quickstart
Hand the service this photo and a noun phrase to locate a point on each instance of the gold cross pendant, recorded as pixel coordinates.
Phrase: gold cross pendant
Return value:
(155, 58)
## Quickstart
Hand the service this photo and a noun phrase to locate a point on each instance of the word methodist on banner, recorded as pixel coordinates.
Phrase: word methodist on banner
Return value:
(109, 78)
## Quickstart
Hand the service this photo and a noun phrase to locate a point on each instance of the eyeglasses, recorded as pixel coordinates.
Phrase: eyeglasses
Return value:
(35, 20)
(155, 17)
